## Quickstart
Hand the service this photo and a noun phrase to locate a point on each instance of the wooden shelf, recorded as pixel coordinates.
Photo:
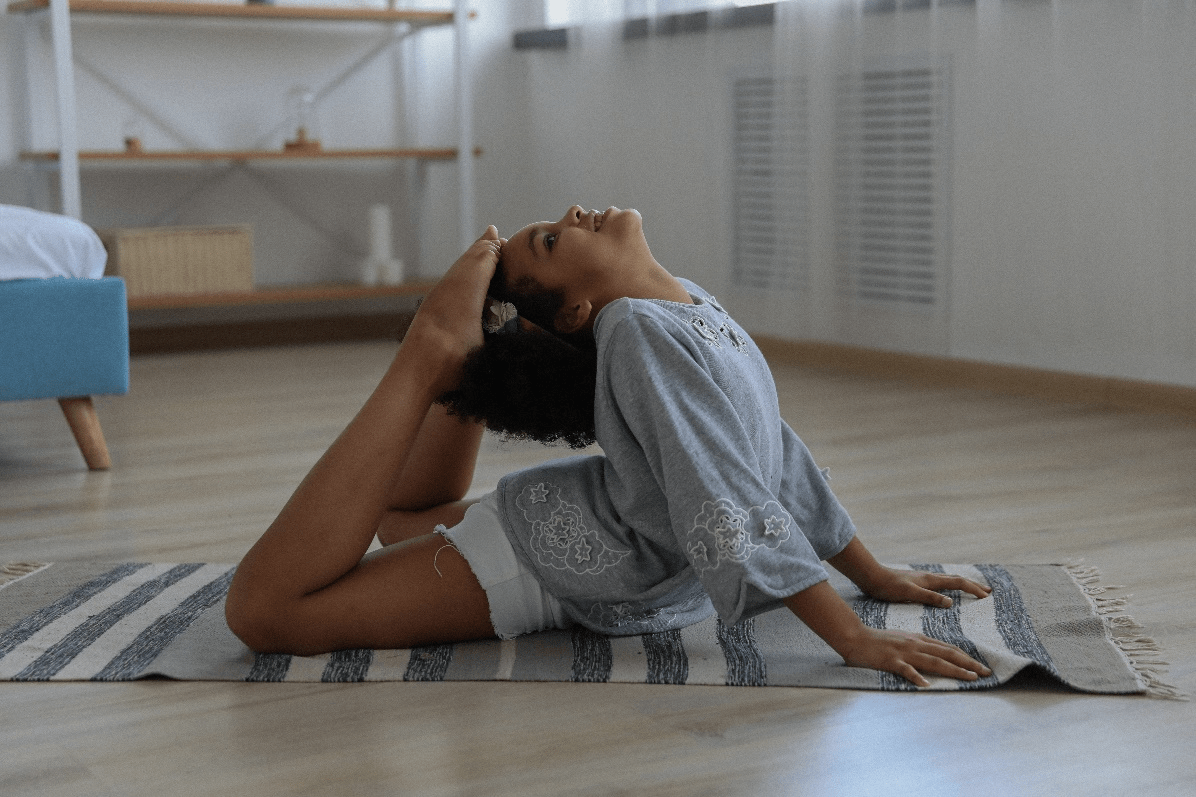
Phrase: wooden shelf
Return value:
(295, 313)
(231, 11)
(160, 156)
(283, 295)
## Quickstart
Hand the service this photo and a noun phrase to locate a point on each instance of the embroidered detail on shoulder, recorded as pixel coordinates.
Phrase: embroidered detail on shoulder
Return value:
(724, 532)
(737, 340)
(708, 333)
(559, 536)
(714, 336)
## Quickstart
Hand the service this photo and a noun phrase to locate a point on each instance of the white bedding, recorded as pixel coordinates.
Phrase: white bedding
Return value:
(37, 245)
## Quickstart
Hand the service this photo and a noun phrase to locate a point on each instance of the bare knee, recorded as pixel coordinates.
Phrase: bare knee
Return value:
(245, 624)
(254, 618)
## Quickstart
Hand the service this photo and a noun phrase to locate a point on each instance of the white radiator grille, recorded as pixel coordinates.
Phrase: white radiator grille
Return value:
(891, 172)
(770, 183)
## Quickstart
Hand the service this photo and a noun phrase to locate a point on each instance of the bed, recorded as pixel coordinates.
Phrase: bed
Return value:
(64, 330)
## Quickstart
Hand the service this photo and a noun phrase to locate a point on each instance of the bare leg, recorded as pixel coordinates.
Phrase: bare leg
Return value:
(419, 592)
(398, 525)
(439, 468)
(303, 588)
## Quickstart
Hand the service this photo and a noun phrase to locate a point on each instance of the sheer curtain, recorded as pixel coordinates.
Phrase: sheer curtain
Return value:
(984, 179)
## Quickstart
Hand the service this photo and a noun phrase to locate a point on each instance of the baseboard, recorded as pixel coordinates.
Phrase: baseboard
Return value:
(274, 332)
(1005, 379)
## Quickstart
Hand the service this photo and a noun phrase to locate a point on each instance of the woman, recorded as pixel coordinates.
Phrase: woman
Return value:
(704, 499)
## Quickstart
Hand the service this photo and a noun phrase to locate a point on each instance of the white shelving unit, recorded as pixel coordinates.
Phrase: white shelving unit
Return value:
(68, 159)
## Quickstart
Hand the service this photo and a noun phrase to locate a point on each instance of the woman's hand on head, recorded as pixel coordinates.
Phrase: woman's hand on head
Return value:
(448, 324)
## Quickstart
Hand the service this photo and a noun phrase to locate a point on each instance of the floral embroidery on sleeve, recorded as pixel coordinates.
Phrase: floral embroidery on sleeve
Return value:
(724, 532)
(614, 615)
(559, 535)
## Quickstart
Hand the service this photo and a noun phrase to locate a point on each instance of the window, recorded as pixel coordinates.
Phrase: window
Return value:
(891, 183)
(770, 184)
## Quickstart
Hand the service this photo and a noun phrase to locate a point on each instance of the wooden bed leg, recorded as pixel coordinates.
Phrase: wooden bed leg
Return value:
(85, 425)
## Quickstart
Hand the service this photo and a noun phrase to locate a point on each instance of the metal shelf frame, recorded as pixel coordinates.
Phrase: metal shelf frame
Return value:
(68, 157)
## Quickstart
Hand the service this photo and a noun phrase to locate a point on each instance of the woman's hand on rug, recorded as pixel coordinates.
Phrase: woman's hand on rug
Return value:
(905, 654)
(910, 655)
(915, 586)
(899, 586)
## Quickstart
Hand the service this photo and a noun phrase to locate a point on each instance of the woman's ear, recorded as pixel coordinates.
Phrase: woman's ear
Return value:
(573, 317)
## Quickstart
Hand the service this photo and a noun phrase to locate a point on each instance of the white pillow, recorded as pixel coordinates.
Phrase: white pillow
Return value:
(36, 245)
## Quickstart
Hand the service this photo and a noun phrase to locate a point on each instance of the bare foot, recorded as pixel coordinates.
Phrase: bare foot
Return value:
(448, 324)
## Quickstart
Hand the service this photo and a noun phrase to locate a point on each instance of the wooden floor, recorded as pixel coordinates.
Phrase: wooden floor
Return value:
(208, 446)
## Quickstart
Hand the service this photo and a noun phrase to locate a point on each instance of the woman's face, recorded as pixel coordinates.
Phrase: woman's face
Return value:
(585, 249)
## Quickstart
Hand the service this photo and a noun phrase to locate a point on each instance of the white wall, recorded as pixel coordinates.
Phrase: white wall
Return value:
(1074, 166)
(1075, 189)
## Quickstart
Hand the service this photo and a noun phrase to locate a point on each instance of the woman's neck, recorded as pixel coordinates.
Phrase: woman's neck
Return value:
(652, 281)
(655, 282)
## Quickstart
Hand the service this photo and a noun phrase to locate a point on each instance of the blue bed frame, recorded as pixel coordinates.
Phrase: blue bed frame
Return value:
(66, 339)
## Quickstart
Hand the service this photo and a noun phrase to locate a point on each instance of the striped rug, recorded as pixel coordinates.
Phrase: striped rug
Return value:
(118, 622)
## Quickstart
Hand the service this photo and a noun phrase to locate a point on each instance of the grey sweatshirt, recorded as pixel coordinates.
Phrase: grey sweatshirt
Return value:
(704, 498)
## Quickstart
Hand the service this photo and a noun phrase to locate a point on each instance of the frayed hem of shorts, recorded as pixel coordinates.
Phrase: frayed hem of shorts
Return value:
(448, 543)
(442, 530)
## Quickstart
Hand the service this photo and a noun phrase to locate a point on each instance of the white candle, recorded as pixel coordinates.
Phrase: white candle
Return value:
(380, 245)
(381, 265)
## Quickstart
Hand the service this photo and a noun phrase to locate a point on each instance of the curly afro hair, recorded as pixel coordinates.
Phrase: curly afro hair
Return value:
(530, 384)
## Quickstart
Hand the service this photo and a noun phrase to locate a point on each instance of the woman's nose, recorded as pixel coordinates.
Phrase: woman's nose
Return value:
(573, 215)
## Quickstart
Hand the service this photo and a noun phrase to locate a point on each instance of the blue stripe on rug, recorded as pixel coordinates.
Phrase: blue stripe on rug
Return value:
(592, 656)
(429, 663)
(66, 649)
(35, 622)
(269, 667)
(1012, 621)
(745, 662)
(945, 626)
(666, 659)
(150, 643)
(348, 666)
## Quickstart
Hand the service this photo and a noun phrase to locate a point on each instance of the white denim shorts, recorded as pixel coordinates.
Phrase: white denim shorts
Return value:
(518, 604)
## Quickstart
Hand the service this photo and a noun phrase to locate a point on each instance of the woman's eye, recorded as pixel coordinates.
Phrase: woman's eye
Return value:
(549, 242)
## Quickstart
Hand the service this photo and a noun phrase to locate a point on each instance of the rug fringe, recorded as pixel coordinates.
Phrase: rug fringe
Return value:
(15, 571)
(1142, 652)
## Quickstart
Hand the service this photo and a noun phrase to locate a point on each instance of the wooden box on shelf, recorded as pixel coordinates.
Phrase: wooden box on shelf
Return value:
(171, 261)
